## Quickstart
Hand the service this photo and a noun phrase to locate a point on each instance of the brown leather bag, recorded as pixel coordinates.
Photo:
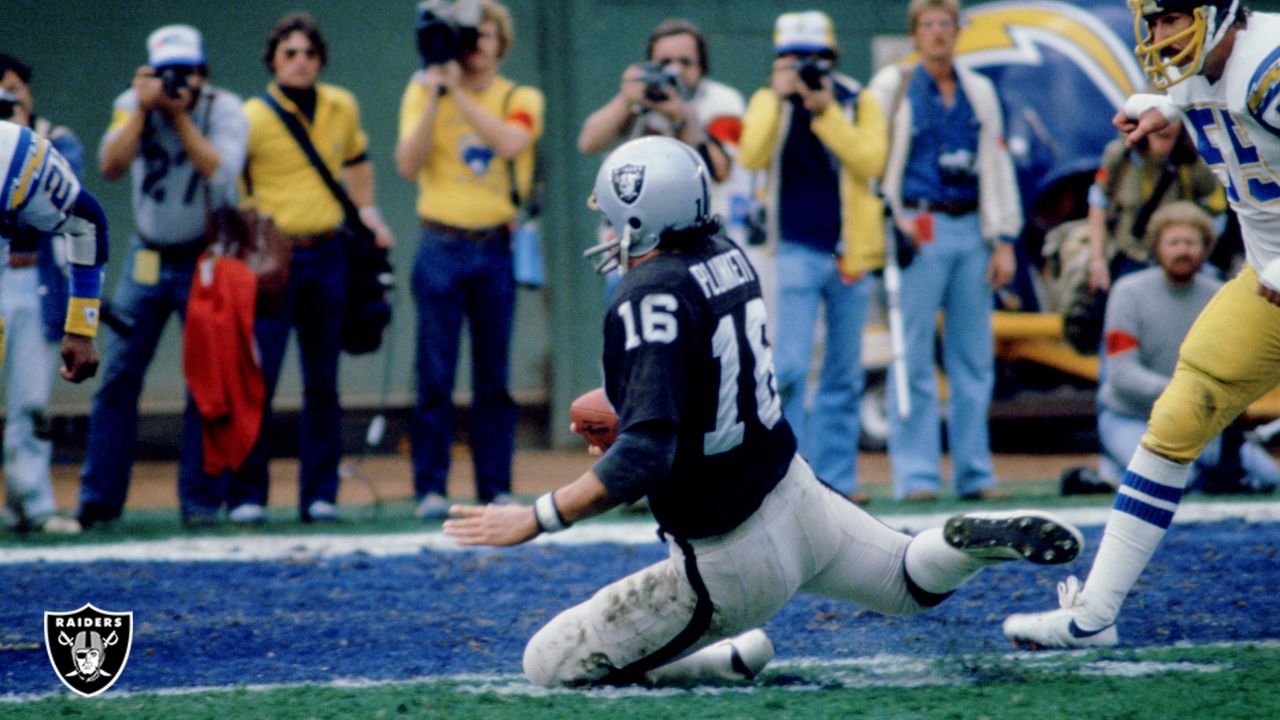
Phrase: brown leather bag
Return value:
(246, 234)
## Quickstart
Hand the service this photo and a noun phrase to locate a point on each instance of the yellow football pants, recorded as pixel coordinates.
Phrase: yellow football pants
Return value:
(1230, 358)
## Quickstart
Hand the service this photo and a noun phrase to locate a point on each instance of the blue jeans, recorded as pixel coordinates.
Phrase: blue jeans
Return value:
(947, 274)
(828, 433)
(1120, 435)
(30, 360)
(455, 278)
(314, 303)
(113, 419)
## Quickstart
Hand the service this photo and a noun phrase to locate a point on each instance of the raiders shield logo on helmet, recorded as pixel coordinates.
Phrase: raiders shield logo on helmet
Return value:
(627, 182)
(88, 647)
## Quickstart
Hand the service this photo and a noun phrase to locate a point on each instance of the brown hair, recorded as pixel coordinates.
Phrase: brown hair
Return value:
(1181, 212)
(680, 26)
(918, 7)
(499, 15)
(290, 24)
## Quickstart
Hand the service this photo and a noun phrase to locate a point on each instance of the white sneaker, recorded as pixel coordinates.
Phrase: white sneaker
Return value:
(248, 514)
(59, 525)
(1029, 535)
(321, 511)
(1058, 628)
(433, 506)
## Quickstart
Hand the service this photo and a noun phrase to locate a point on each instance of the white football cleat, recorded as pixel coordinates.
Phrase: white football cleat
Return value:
(1058, 628)
(1029, 535)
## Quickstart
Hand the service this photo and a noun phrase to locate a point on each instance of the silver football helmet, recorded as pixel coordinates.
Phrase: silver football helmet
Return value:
(644, 188)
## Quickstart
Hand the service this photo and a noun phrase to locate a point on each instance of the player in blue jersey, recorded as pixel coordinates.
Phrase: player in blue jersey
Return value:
(1220, 65)
(39, 191)
(702, 435)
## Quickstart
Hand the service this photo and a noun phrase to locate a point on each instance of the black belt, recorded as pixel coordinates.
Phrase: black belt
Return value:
(953, 208)
(478, 235)
(188, 251)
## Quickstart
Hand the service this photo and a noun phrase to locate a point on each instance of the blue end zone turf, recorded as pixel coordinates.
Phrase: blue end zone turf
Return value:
(227, 623)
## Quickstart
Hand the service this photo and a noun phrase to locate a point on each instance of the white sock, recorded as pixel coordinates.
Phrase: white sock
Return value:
(1145, 503)
(938, 568)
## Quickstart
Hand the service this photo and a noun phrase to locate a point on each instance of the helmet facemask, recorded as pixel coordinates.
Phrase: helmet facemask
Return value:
(611, 254)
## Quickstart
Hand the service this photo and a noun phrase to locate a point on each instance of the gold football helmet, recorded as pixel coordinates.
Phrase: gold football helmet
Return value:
(1165, 65)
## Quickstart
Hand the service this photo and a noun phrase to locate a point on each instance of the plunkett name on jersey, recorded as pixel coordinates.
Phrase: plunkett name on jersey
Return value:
(722, 273)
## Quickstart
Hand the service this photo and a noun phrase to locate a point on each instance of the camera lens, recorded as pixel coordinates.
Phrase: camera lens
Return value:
(811, 76)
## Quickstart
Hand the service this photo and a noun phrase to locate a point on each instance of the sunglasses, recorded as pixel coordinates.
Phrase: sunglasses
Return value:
(291, 53)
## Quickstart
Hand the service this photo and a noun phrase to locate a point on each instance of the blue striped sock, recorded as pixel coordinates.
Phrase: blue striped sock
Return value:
(1145, 503)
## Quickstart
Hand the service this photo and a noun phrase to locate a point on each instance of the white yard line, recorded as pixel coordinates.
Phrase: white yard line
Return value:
(276, 547)
(875, 671)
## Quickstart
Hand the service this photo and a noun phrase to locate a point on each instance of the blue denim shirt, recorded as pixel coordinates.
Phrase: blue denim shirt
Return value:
(942, 162)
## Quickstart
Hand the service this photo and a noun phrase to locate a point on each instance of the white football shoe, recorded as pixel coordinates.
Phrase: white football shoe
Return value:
(1030, 535)
(1058, 628)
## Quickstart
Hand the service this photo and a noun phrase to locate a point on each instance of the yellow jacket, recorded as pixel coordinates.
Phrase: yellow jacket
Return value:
(853, 130)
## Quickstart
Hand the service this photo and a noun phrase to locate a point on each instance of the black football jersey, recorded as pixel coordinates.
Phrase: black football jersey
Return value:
(684, 343)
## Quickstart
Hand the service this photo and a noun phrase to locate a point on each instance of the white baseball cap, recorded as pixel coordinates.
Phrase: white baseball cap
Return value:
(804, 32)
(175, 45)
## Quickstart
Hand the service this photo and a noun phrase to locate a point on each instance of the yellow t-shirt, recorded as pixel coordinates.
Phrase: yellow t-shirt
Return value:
(464, 183)
(285, 183)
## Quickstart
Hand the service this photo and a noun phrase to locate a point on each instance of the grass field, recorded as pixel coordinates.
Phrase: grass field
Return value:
(380, 617)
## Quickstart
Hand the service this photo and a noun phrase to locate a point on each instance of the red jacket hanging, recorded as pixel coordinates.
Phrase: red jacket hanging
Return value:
(220, 360)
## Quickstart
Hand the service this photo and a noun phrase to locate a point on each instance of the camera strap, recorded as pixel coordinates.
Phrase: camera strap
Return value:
(511, 163)
(309, 149)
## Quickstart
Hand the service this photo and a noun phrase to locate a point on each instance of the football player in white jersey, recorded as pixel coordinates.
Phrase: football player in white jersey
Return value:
(39, 191)
(689, 369)
(1220, 65)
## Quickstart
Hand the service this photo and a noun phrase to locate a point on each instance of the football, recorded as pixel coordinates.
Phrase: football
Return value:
(593, 419)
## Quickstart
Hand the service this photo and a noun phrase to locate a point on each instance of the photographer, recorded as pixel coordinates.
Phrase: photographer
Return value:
(298, 127)
(184, 143)
(822, 139)
(670, 94)
(466, 133)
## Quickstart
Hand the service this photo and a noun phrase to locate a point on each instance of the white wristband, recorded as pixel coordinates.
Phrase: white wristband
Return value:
(1142, 102)
(547, 515)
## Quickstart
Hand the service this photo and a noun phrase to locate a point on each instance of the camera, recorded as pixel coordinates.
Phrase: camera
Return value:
(446, 29)
(173, 78)
(657, 77)
(811, 69)
(6, 108)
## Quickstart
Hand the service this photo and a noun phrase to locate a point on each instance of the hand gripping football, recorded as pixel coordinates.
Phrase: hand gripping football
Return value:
(593, 418)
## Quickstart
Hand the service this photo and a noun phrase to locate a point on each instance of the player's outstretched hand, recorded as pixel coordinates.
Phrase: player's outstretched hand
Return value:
(1135, 129)
(491, 524)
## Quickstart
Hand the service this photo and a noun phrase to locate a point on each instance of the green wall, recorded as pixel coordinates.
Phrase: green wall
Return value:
(84, 53)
